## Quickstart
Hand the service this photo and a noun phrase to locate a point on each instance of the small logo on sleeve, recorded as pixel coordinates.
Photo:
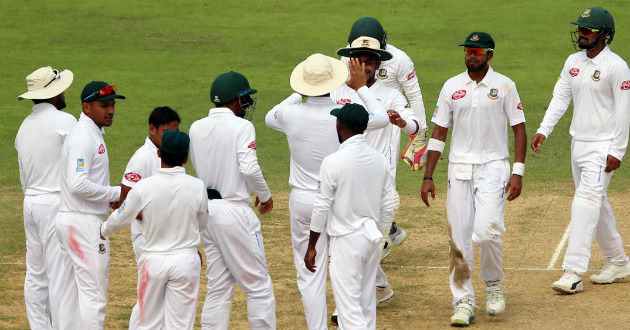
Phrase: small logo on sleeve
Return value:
(435, 112)
(625, 85)
(133, 177)
(319, 186)
(252, 145)
(411, 74)
(519, 106)
(80, 165)
(101, 149)
(459, 94)
(574, 72)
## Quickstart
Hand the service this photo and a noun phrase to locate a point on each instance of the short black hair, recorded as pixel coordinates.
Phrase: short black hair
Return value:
(162, 116)
(172, 159)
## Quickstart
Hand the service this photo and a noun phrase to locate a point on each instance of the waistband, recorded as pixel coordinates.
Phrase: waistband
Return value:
(228, 203)
(185, 250)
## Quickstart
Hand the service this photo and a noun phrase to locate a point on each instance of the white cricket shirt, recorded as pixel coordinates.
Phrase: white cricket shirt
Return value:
(355, 186)
(174, 209)
(311, 133)
(600, 90)
(143, 164)
(480, 114)
(85, 171)
(223, 151)
(38, 143)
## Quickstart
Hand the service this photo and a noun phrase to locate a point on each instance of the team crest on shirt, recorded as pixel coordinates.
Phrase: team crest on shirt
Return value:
(574, 72)
(319, 186)
(435, 112)
(133, 177)
(596, 75)
(344, 101)
(382, 74)
(101, 248)
(80, 164)
(494, 94)
(411, 74)
(101, 149)
(519, 106)
(459, 94)
(625, 85)
(252, 145)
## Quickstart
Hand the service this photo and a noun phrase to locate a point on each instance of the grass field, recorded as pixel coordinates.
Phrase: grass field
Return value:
(168, 53)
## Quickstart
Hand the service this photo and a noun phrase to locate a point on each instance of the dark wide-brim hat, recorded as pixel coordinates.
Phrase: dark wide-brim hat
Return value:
(479, 40)
(362, 45)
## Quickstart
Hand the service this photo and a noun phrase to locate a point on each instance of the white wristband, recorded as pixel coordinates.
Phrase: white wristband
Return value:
(436, 145)
(518, 168)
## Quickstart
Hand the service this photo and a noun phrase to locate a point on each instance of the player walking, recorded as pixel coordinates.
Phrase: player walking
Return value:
(598, 82)
(477, 103)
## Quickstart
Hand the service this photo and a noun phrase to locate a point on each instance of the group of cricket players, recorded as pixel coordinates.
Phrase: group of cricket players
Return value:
(343, 126)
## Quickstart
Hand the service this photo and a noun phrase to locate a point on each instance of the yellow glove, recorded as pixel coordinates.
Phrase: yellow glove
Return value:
(415, 153)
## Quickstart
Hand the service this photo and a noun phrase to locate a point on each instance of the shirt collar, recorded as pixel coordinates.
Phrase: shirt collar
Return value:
(43, 107)
(353, 141)
(216, 111)
(150, 144)
(319, 100)
(486, 79)
(177, 170)
(90, 123)
(600, 57)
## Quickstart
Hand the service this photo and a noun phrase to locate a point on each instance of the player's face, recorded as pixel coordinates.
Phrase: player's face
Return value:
(101, 112)
(476, 59)
(157, 132)
(587, 38)
(371, 65)
(59, 101)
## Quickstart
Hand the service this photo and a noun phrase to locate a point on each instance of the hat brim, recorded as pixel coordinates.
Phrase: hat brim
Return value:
(382, 55)
(588, 25)
(55, 88)
(335, 112)
(339, 76)
(107, 98)
(472, 44)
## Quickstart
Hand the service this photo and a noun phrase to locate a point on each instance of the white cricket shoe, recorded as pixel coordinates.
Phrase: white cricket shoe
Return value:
(495, 300)
(384, 294)
(569, 283)
(386, 247)
(611, 273)
(464, 314)
(397, 234)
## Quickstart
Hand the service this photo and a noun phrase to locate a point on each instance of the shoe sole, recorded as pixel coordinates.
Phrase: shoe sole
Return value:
(461, 323)
(565, 291)
(616, 279)
(386, 298)
(493, 313)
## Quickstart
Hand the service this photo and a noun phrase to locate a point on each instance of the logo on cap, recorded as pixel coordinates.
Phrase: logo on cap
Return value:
(586, 13)
(596, 75)
(474, 37)
(216, 99)
(365, 43)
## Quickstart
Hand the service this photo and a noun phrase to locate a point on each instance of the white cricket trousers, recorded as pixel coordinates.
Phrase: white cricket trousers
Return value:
(474, 207)
(86, 259)
(235, 254)
(312, 286)
(137, 242)
(353, 263)
(168, 285)
(591, 215)
(42, 285)
(381, 277)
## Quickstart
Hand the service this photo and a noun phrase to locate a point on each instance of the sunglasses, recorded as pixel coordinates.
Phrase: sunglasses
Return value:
(587, 31)
(105, 91)
(54, 78)
(477, 51)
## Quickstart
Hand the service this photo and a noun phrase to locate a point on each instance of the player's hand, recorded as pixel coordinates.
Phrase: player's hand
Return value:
(394, 118)
(265, 207)
(309, 259)
(514, 187)
(427, 187)
(612, 163)
(537, 142)
(357, 74)
(114, 205)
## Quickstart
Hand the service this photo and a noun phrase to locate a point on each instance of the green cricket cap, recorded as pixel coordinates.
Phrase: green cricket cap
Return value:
(596, 18)
(99, 91)
(368, 27)
(353, 116)
(176, 143)
(228, 87)
(479, 40)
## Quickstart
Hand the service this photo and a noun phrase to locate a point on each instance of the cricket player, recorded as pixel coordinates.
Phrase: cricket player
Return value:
(477, 104)
(223, 150)
(598, 82)
(360, 215)
(143, 164)
(174, 209)
(367, 52)
(85, 198)
(38, 144)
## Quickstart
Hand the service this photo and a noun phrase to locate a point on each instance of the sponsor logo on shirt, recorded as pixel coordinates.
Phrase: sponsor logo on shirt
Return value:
(574, 72)
(412, 74)
(133, 177)
(459, 94)
(435, 112)
(122, 207)
(382, 74)
(80, 164)
(519, 106)
(101, 248)
(596, 75)
(625, 85)
(319, 186)
(252, 145)
(101, 149)
(344, 101)
(494, 94)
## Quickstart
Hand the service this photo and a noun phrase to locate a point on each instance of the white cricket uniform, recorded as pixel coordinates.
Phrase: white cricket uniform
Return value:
(223, 150)
(360, 210)
(600, 91)
(174, 209)
(38, 143)
(312, 135)
(143, 164)
(85, 197)
(478, 171)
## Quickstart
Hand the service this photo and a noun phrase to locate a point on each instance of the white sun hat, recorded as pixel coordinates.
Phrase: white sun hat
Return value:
(45, 83)
(318, 75)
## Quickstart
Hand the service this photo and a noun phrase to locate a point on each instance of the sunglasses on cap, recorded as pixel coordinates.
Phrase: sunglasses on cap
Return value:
(477, 51)
(588, 31)
(54, 78)
(105, 91)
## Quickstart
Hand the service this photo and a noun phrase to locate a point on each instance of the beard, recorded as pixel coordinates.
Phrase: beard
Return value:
(339, 137)
(585, 45)
(61, 105)
(474, 68)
